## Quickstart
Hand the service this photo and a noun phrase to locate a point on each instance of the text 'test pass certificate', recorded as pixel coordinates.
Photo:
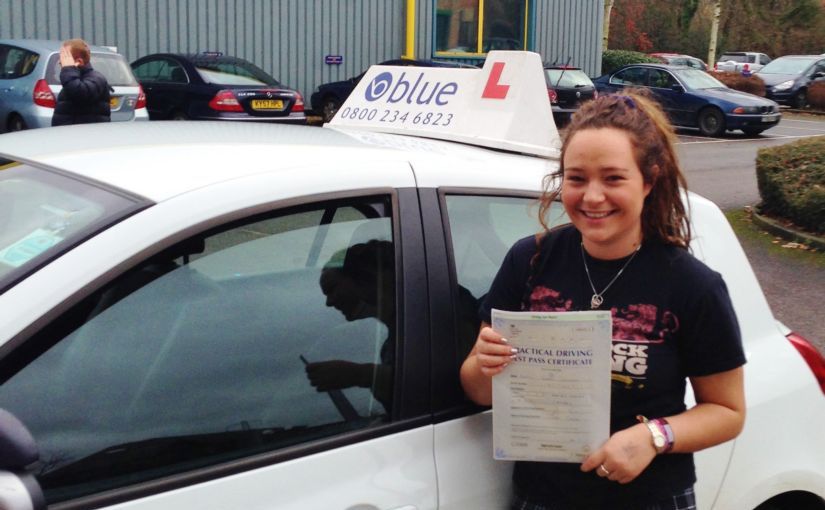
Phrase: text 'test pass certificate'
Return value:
(552, 403)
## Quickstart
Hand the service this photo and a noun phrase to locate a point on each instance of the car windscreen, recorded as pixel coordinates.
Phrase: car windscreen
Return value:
(111, 65)
(787, 66)
(566, 78)
(45, 213)
(696, 79)
(728, 57)
(232, 72)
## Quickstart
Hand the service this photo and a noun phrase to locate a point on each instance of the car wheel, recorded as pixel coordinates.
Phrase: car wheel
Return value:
(711, 122)
(800, 100)
(178, 115)
(330, 108)
(16, 123)
(752, 131)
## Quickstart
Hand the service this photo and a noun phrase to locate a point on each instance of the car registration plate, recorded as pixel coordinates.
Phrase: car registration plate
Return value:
(267, 104)
(768, 118)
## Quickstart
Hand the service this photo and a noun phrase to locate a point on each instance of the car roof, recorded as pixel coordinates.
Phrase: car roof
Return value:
(136, 157)
(656, 66)
(43, 45)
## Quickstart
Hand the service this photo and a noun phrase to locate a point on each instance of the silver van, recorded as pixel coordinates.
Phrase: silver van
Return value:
(30, 83)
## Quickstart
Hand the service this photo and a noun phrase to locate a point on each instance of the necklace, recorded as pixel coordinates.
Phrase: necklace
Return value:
(596, 300)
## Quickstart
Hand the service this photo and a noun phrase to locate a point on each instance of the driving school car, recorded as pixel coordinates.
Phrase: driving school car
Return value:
(170, 295)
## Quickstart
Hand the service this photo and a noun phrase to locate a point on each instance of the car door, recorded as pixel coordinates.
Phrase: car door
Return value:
(480, 227)
(16, 82)
(676, 103)
(271, 357)
(165, 83)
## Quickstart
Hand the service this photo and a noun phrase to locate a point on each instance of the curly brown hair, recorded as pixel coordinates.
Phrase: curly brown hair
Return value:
(664, 217)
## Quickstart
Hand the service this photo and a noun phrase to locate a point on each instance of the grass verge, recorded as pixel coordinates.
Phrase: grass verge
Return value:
(748, 233)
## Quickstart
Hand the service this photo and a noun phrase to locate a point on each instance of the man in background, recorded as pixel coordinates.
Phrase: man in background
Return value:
(85, 95)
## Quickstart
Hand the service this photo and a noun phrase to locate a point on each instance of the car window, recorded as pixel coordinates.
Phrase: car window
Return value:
(787, 66)
(161, 70)
(566, 78)
(630, 76)
(233, 72)
(764, 59)
(16, 62)
(264, 334)
(111, 65)
(482, 230)
(661, 79)
(43, 214)
(696, 79)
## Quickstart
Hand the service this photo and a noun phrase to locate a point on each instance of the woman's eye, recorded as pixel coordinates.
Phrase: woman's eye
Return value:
(574, 178)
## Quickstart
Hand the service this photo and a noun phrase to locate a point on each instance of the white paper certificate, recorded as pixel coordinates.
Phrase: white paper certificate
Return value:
(552, 403)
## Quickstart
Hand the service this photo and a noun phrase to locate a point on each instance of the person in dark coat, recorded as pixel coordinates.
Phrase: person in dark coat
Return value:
(85, 95)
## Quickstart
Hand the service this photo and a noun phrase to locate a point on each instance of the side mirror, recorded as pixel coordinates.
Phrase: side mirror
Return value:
(677, 88)
(18, 488)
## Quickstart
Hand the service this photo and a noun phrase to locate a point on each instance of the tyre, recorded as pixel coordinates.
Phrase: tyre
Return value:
(16, 123)
(750, 131)
(800, 100)
(711, 122)
(329, 108)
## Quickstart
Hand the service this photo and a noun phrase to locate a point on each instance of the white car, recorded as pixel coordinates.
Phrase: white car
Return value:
(738, 61)
(173, 293)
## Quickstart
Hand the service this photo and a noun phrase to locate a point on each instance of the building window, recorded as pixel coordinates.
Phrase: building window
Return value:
(474, 27)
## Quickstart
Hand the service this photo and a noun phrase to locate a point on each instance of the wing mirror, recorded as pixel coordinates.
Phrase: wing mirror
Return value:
(677, 88)
(18, 488)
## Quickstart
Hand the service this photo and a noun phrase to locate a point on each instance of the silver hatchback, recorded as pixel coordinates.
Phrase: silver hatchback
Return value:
(30, 83)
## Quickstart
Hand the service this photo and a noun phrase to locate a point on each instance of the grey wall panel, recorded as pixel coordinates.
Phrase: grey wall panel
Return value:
(570, 30)
(287, 38)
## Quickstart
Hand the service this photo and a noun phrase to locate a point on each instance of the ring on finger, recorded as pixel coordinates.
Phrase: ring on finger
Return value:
(604, 470)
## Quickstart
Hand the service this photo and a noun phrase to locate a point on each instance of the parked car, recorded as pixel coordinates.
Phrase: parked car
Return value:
(165, 289)
(30, 83)
(678, 59)
(213, 86)
(567, 87)
(737, 61)
(694, 99)
(328, 97)
(787, 78)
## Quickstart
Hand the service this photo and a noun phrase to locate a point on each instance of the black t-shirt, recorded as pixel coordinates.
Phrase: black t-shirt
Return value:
(672, 319)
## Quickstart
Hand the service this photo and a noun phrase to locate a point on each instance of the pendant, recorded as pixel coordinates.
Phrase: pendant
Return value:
(596, 301)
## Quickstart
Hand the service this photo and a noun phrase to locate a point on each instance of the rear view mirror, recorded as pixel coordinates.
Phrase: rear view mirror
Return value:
(18, 488)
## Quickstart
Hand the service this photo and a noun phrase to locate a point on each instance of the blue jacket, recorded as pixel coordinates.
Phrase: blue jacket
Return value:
(84, 98)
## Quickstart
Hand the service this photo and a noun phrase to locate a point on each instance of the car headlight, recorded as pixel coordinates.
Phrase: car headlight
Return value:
(746, 109)
(785, 85)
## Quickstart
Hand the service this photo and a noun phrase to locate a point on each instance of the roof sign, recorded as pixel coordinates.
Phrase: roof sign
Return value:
(504, 105)
(335, 60)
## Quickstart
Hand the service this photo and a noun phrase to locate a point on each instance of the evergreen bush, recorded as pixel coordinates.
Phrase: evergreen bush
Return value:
(791, 181)
(614, 59)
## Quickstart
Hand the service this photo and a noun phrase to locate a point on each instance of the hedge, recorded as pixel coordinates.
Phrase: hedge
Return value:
(614, 59)
(752, 84)
(791, 181)
(816, 95)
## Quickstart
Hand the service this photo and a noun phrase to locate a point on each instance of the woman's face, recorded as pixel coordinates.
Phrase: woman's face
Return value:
(603, 191)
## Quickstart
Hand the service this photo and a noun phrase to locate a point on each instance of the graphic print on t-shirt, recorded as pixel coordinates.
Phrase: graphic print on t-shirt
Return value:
(636, 328)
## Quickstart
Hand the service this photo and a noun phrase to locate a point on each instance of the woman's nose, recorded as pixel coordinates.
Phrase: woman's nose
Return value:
(593, 192)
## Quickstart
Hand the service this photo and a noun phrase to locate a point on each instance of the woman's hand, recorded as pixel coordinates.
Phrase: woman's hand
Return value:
(489, 356)
(624, 456)
(492, 352)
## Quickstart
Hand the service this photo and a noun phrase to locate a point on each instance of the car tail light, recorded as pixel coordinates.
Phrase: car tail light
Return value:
(552, 95)
(811, 355)
(299, 104)
(42, 94)
(141, 100)
(225, 101)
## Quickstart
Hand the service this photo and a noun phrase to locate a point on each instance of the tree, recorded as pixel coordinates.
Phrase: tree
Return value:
(714, 29)
(608, 6)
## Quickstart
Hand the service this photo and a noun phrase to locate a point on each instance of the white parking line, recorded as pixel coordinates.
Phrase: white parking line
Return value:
(771, 137)
(786, 126)
(803, 120)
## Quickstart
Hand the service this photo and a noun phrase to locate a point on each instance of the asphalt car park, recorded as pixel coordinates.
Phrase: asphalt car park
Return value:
(139, 258)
